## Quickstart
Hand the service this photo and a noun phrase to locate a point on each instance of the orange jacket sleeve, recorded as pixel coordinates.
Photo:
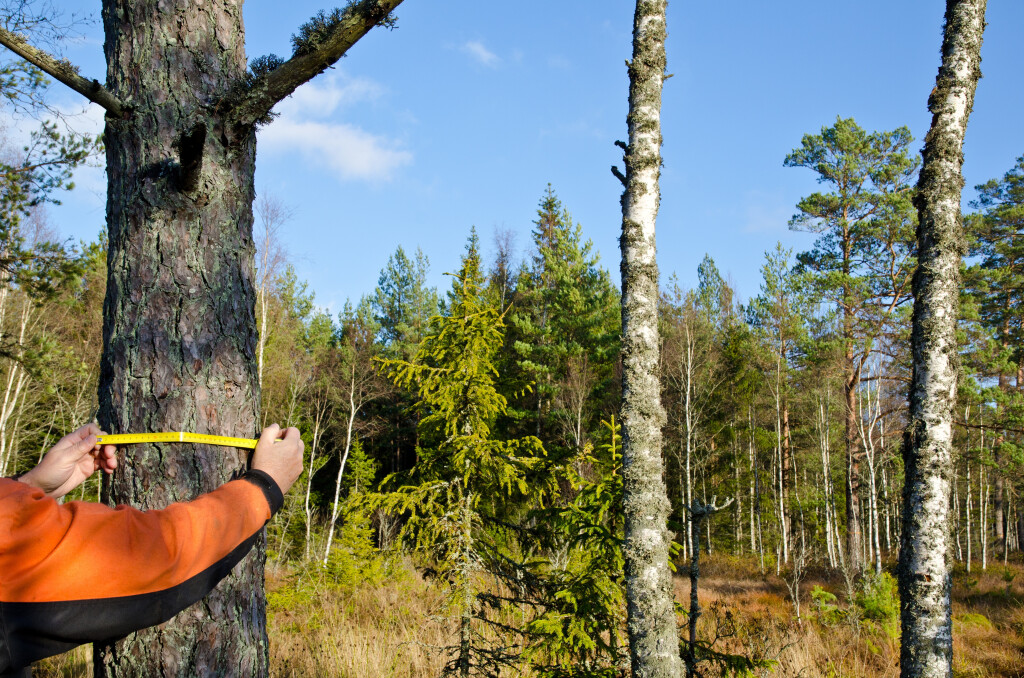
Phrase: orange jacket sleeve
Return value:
(80, 572)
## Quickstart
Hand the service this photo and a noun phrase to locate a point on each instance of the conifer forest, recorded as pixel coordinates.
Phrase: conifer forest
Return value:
(549, 463)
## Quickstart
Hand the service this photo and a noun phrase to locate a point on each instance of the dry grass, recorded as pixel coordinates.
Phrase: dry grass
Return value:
(384, 630)
(388, 629)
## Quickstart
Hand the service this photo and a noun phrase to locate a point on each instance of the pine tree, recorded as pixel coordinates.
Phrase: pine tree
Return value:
(179, 218)
(996, 288)
(863, 259)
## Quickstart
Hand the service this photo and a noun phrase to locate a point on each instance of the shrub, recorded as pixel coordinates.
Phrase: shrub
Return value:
(879, 602)
(826, 605)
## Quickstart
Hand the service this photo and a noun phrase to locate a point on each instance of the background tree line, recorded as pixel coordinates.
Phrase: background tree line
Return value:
(789, 403)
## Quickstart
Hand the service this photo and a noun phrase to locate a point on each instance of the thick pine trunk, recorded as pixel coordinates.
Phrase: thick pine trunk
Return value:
(653, 639)
(179, 326)
(924, 573)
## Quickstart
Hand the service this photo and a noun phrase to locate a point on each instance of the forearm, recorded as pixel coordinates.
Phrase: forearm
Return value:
(84, 572)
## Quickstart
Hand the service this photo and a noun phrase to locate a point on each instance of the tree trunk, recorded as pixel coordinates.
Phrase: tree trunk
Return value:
(788, 475)
(853, 516)
(694, 614)
(924, 573)
(653, 639)
(179, 328)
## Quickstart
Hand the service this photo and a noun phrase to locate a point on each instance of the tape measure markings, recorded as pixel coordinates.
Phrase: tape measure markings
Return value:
(176, 437)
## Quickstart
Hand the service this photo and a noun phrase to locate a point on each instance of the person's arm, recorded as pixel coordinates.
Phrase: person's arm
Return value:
(74, 458)
(84, 572)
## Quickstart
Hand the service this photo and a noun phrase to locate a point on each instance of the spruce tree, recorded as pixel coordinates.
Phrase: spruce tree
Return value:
(458, 498)
(562, 329)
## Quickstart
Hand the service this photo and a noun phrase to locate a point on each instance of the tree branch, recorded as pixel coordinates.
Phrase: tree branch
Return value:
(619, 175)
(63, 71)
(356, 21)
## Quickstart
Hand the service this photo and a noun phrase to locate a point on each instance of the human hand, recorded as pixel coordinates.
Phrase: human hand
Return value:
(282, 460)
(74, 458)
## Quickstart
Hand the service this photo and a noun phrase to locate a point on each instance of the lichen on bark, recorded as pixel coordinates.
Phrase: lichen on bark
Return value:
(653, 635)
(924, 572)
(179, 322)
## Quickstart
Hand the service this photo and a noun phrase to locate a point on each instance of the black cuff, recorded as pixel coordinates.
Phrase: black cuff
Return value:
(270, 489)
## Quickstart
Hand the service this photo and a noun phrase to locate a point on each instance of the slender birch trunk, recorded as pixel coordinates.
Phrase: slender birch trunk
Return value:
(968, 511)
(353, 411)
(924, 574)
(307, 506)
(956, 515)
(688, 413)
(983, 518)
(753, 478)
(821, 423)
(653, 636)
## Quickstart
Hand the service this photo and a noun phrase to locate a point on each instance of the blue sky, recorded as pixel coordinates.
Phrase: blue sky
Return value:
(464, 113)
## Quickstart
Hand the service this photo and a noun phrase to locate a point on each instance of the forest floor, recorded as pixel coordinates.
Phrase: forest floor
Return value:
(388, 627)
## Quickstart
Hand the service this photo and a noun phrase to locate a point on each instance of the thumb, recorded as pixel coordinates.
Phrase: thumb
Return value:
(270, 434)
(84, 445)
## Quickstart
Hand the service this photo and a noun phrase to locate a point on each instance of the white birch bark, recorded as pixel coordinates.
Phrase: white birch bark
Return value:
(924, 574)
(353, 411)
(651, 624)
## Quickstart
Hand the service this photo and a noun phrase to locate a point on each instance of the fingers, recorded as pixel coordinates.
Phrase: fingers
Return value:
(269, 434)
(106, 458)
(279, 454)
(83, 445)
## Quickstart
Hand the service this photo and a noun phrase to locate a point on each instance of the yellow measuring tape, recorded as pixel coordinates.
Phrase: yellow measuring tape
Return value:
(175, 437)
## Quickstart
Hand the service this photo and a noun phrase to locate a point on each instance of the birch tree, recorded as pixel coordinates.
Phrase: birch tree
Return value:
(179, 324)
(358, 385)
(653, 637)
(924, 572)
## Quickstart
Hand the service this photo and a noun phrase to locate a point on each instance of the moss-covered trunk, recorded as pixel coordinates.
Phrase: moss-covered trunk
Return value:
(653, 636)
(926, 544)
(179, 327)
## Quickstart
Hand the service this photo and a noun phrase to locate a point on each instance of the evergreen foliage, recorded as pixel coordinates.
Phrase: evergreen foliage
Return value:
(456, 499)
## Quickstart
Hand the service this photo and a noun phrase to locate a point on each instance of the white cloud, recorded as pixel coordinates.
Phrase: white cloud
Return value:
(328, 94)
(308, 124)
(478, 51)
(347, 150)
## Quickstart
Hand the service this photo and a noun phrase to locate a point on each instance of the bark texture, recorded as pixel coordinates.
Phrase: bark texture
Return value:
(924, 573)
(180, 343)
(653, 639)
(179, 323)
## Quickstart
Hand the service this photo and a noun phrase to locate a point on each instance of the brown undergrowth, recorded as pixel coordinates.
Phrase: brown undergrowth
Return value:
(387, 628)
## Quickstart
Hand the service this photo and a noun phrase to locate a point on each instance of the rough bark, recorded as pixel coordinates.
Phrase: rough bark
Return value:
(924, 573)
(179, 325)
(653, 639)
